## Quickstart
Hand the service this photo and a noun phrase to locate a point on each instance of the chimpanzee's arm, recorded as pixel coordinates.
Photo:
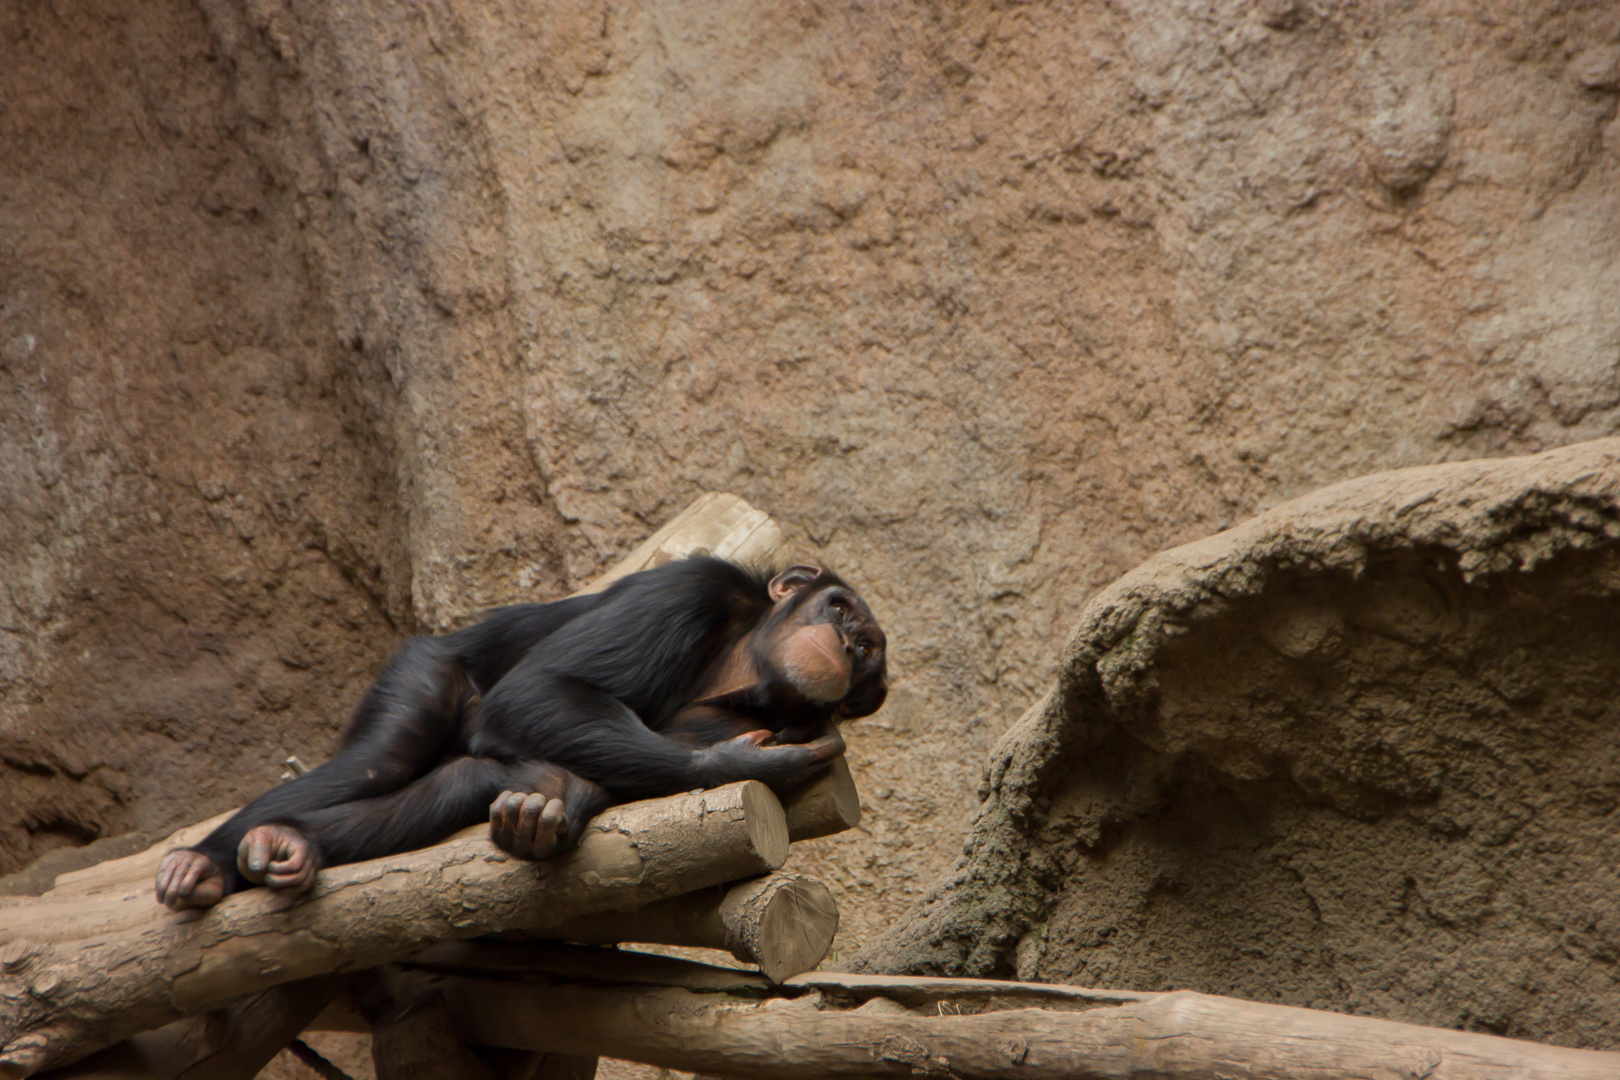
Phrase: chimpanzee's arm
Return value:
(495, 644)
(534, 713)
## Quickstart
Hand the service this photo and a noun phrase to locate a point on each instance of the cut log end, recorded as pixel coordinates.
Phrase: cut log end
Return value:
(767, 824)
(829, 804)
(784, 923)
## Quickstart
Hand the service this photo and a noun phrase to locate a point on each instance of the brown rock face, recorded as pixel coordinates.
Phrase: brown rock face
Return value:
(1357, 753)
(322, 323)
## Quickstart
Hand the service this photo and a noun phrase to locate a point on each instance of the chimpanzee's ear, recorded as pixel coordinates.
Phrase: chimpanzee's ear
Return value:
(791, 580)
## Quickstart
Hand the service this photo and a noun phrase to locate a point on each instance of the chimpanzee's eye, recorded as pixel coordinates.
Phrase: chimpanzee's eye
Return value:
(841, 608)
(863, 649)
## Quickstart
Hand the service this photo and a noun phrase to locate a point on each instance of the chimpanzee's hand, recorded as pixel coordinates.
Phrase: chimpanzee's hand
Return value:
(781, 768)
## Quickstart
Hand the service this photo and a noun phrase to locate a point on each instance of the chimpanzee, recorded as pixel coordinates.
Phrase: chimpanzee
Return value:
(693, 674)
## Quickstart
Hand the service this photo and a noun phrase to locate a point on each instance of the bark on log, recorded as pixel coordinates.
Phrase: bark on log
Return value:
(828, 805)
(680, 1015)
(782, 922)
(80, 973)
(226, 1044)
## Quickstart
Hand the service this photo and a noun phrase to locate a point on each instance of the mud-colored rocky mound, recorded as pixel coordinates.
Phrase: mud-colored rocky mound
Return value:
(1361, 752)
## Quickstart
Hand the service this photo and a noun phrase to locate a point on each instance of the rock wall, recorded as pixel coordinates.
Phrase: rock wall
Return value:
(358, 317)
(1357, 753)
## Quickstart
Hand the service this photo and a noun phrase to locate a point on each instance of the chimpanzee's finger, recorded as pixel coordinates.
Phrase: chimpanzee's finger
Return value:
(554, 818)
(258, 851)
(529, 819)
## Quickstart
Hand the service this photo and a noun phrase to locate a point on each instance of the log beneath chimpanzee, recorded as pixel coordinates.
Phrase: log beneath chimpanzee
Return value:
(680, 1015)
(827, 805)
(232, 1043)
(81, 972)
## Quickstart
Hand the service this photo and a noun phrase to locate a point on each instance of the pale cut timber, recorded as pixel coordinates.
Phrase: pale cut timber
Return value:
(716, 524)
(782, 922)
(83, 972)
(679, 1015)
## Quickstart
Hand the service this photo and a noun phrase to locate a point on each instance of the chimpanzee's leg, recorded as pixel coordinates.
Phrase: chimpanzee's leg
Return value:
(534, 810)
(409, 720)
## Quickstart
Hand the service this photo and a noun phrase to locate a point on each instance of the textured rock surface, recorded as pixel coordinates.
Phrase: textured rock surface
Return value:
(321, 323)
(1357, 753)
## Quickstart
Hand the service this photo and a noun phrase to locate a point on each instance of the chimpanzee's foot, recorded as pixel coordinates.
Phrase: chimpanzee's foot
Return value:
(189, 879)
(528, 826)
(277, 857)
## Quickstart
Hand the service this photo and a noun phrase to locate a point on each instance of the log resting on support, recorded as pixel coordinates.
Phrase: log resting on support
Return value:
(829, 804)
(681, 1015)
(80, 973)
(783, 922)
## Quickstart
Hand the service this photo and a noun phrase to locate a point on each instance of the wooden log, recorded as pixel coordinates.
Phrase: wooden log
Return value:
(226, 1044)
(829, 804)
(679, 1015)
(782, 922)
(715, 524)
(80, 973)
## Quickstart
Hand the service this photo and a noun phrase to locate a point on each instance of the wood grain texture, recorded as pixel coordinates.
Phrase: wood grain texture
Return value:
(679, 1015)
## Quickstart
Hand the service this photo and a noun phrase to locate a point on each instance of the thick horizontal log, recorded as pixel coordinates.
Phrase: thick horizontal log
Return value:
(80, 973)
(692, 1017)
(783, 922)
(827, 805)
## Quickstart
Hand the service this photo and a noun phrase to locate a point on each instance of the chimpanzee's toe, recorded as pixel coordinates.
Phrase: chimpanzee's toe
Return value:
(277, 857)
(528, 826)
(189, 879)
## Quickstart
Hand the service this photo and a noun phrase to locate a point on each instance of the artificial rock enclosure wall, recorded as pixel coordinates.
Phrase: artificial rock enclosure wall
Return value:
(324, 324)
(1357, 753)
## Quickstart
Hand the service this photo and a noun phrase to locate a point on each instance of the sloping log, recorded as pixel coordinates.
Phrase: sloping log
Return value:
(715, 524)
(80, 973)
(680, 1015)
(226, 1044)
